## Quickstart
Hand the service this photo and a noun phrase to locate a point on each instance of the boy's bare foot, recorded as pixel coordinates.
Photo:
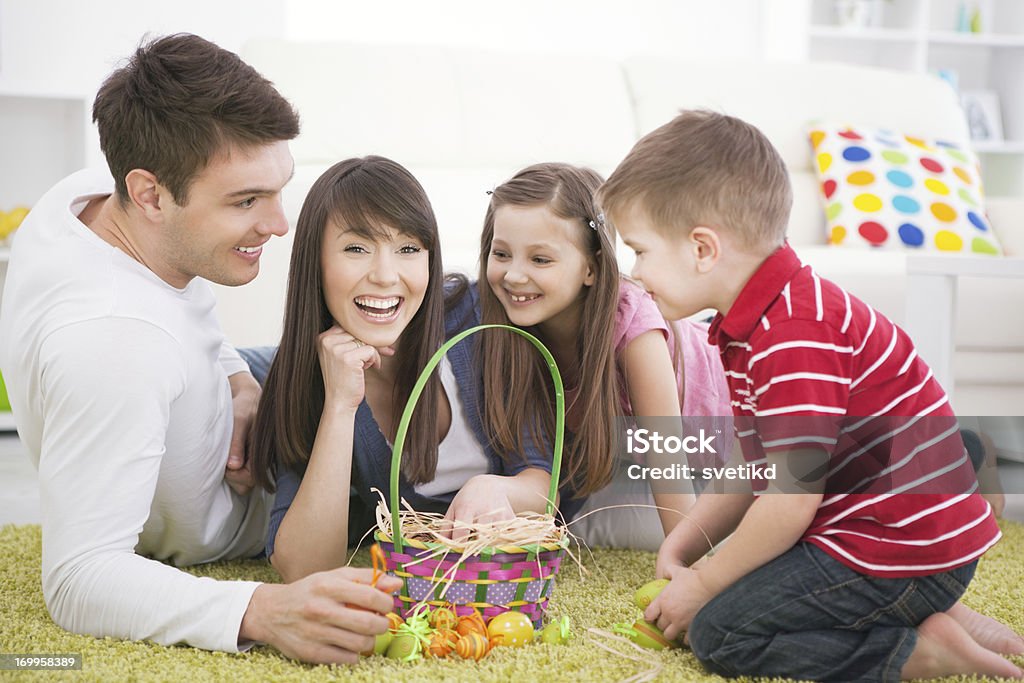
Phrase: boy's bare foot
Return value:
(990, 633)
(944, 648)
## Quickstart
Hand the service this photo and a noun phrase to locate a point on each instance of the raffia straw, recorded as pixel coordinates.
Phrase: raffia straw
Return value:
(643, 676)
(526, 529)
(653, 507)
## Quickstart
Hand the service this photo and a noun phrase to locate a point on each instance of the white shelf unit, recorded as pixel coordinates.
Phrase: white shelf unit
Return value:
(922, 35)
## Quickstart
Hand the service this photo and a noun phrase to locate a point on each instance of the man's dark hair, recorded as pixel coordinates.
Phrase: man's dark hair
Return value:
(178, 102)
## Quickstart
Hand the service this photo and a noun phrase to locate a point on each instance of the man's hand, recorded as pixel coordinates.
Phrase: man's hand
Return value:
(245, 398)
(678, 603)
(326, 618)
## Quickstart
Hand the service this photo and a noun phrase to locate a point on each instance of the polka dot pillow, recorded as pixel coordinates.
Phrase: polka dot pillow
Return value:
(887, 190)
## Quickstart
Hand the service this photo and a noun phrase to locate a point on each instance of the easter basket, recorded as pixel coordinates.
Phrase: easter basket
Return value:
(489, 580)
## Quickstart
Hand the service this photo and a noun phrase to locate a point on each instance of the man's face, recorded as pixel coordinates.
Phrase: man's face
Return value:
(665, 266)
(233, 209)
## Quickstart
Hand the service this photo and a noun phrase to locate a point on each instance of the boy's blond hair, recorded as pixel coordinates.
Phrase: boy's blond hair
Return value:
(705, 168)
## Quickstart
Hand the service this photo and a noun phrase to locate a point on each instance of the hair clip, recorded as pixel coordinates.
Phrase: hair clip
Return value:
(592, 224)
(598, 223)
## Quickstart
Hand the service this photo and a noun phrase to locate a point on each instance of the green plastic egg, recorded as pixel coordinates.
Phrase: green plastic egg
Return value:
(646, 634)
(645, 595)
(556, 633)
(404, 646)
(380, 645)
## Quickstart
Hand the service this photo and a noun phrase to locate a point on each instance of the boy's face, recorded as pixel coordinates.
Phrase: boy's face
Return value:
(665, 265)
(233, 209)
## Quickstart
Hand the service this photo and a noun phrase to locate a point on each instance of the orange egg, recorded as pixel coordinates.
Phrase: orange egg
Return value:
(442, 644)
(472, 646)
(512, 629)
(442, 619)
(471, 623)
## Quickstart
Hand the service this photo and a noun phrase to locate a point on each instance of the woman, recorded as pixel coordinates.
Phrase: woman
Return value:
(367, 305)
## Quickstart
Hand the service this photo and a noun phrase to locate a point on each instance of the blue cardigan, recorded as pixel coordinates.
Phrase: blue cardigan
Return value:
(371, 453)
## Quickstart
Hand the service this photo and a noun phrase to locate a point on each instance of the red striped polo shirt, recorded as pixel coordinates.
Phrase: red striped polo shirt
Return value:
(810, 365)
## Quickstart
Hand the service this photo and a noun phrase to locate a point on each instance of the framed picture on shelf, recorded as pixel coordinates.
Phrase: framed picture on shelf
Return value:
(981, 107)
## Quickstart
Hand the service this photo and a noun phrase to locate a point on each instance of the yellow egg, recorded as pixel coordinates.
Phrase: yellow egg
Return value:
(511, 629)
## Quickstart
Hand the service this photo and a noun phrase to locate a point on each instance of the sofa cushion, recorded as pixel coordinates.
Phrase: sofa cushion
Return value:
(889, 190)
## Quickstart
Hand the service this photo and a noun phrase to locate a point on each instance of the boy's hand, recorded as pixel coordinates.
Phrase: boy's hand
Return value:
(678, 603)
(670, 555)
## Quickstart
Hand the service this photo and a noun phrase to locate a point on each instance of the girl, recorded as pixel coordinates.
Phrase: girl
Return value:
(365, 309)
(547, 263)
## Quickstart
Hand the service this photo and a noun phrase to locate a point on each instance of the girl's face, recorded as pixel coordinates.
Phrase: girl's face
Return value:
(373, 288)
(537, 267)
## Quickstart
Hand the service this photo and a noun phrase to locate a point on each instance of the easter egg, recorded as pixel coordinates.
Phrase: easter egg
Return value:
(405, 647)
(556, 633)
(442, 643)
(394, 621)
(646, 634)
(443, 618)
(473, 646)
(512, 629)
(471, 623)
(381, 644)
(645, 595)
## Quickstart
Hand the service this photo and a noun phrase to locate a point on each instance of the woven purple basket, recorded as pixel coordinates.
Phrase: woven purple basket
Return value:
(494, 580)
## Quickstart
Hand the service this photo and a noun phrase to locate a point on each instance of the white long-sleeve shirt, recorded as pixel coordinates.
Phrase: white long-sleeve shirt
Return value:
(119, 388)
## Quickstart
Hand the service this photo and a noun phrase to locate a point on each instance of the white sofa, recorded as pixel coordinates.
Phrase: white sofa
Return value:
(464, 120)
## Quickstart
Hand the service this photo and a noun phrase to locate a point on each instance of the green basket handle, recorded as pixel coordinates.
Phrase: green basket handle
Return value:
(403, 425)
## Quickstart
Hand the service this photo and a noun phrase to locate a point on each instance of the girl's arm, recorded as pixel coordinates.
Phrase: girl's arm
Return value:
(313, 535)
(654, 392)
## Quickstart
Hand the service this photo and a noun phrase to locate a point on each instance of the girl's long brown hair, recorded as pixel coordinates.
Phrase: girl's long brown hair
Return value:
(518, 392)
(364, 195)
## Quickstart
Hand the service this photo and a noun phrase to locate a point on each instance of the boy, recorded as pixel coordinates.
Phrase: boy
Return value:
(851, 578)
(125, 393)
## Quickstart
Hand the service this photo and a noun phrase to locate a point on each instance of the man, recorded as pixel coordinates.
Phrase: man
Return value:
(125, 393)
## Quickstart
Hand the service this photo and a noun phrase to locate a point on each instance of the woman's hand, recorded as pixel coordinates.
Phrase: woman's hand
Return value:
(483, 499)
(343, 360)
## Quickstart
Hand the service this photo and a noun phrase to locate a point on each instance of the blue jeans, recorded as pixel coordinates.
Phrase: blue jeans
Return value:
(805, 615)
(259, 359)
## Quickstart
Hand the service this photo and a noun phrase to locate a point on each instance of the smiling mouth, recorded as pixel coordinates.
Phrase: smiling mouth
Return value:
(379, 308)
(523, 298)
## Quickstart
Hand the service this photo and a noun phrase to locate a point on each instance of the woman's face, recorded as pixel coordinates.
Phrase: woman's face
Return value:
(373, 288)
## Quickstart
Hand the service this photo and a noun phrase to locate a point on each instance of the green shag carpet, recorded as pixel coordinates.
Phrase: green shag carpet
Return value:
(599, 599)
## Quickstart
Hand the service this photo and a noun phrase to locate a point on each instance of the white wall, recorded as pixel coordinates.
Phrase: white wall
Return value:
(67, 47)
(687, 28)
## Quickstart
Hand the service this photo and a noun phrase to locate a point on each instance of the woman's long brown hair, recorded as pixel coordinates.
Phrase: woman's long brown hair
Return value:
(518, 392)
(365, 196)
